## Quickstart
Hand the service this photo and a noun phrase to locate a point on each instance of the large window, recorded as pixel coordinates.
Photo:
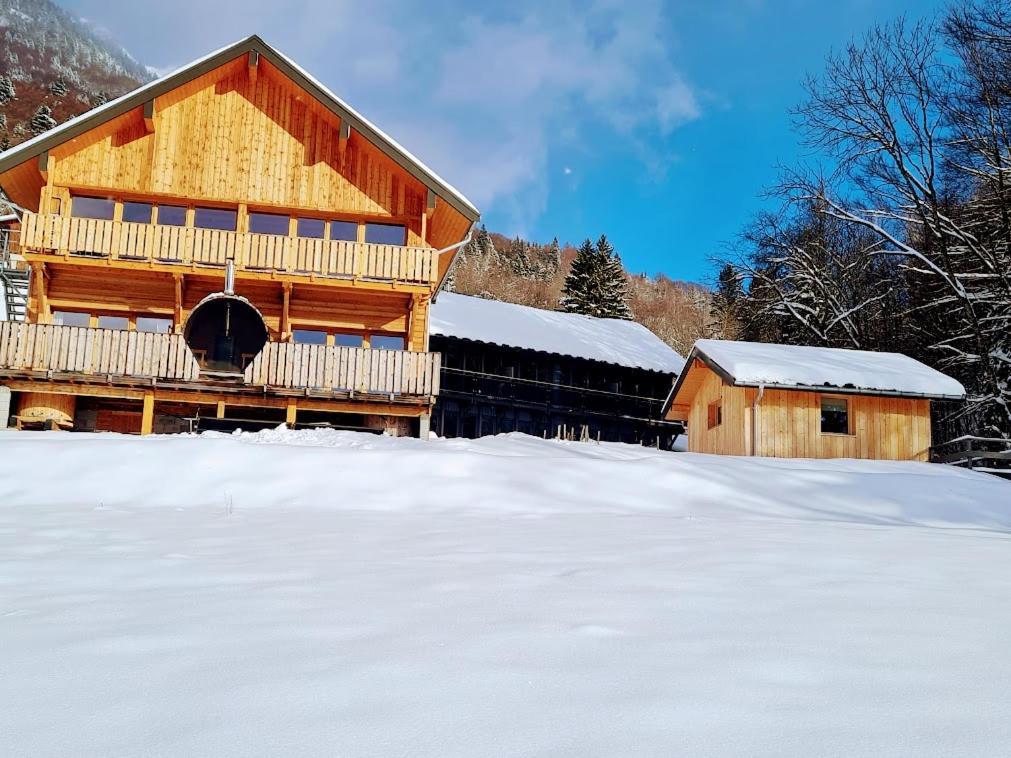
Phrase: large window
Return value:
(71, 318)
(310, 227)
(138, 213)
(384, 342)
(268, 223)
(215, 218)
(344, 230)
(172, 215)
(386, 234)
(82, 206)
(714, 414)
(835, 415)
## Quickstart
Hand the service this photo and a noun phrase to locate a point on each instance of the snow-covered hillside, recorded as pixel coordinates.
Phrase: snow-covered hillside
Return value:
(338, 594)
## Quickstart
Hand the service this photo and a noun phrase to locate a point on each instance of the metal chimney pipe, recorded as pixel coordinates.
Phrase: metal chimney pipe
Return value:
(230, 277)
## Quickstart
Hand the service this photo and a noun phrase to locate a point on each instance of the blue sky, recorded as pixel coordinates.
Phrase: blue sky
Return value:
(656, 123)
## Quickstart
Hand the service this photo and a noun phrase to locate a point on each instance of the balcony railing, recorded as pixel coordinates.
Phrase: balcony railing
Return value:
(190, 246)
(334, 368)
(98, 352)
(117, 354)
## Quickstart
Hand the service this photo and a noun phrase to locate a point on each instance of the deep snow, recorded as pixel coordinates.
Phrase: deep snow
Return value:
(328, 593)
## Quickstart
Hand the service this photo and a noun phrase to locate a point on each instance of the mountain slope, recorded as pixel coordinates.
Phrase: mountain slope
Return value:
(48, 58)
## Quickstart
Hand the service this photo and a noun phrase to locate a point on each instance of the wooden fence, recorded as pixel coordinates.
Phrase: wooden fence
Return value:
(989, 454)
(345, 369)
(83, 350)
(183, 245)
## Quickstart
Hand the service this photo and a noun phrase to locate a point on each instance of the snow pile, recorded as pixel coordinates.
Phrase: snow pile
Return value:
(793, 365)
(328, 593)
(625, 343)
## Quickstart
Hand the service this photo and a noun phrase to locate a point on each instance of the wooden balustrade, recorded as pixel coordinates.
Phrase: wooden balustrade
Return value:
(102, 352)
(128, 241)
(345, 369)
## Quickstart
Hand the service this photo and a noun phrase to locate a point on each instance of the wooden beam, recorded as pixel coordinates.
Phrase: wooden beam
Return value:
(290, 413)
(430, 203)
(44, 164)
(147, 414)
(41, 279)
(221, 409)
(180, 292)
(285, 325)
(343, 135)
(253, 66)
(149, 116)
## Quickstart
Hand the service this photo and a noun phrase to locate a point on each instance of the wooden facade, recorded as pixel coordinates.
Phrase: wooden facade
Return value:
(238, 166)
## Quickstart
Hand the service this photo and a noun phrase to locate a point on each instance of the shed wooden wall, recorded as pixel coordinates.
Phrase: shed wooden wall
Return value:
(884, 428)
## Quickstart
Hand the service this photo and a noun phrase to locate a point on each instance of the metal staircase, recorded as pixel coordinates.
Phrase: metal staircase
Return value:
(13, 280)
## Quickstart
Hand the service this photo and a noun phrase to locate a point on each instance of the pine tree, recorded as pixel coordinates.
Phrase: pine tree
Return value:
(7, 92)
(579, 284)
(726, 302)
(596, 285)
(613, 298)
(58, 88)
(43, 120)
(5, 143)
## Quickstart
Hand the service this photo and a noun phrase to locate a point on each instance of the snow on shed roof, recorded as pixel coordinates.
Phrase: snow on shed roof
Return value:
(624, 343)
(816, 367)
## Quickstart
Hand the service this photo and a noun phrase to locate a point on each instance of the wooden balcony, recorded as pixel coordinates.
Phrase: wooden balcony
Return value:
(49, 352)
(192, 247)
(352, 370)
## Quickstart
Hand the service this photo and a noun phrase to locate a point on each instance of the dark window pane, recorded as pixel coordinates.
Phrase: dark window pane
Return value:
(171, 215)
(343, 230)
(310, 227)
(309, 337)
(385, 234)
(92, 207)
(113, 322)
(139, 213)
(154, 324)
(835, 415)
(268, 223)
(215, 218)
(71, 318)
(382, 342)
(348, 340)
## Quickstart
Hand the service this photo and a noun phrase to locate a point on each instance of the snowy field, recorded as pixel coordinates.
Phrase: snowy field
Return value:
(333, 594)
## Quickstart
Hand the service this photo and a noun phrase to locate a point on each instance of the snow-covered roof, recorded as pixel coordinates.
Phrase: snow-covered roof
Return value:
(89, 119)
(801, 367)
(624, 343)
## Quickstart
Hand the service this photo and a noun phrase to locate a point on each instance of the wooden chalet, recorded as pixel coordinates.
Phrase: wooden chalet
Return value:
(231, 242)
(512, 368)
(785, 401)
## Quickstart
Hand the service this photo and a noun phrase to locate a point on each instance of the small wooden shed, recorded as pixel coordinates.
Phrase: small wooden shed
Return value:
(787, 401)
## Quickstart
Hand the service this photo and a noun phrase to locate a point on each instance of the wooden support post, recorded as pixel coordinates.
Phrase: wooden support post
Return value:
(290, 413)
(285, 311)
(44, 165)
(253, 65)
(147, 415)
(424, 426)
(343, 135)
(149, 116)
(221, 409)
(40, 277)
(177, 314)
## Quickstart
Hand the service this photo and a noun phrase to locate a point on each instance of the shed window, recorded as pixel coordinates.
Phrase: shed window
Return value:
(386, 234)
(268, 223)
(154, 324)
(138, 213)
(215, 218)
(714, 414)
(92, 207)
(310, 227)
(344, 230)
(835, 415)
(172, 215)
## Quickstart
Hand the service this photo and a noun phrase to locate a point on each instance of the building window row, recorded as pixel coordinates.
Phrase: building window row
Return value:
(348, 339)
(131, 322)
(226, 219)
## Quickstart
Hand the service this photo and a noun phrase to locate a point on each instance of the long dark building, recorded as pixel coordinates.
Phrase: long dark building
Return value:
(512, 368)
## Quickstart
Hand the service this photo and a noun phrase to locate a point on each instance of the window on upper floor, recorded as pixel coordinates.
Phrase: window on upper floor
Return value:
(138, 213)
(215, 218)
(83, 206)
(348, 340)
(344, 230)
(71, 318)
(154, 324)
(113, 322)
(386, 342)
(310, 227)
(386, 234)
(835, 415)
(172, 215)
(269, 223)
